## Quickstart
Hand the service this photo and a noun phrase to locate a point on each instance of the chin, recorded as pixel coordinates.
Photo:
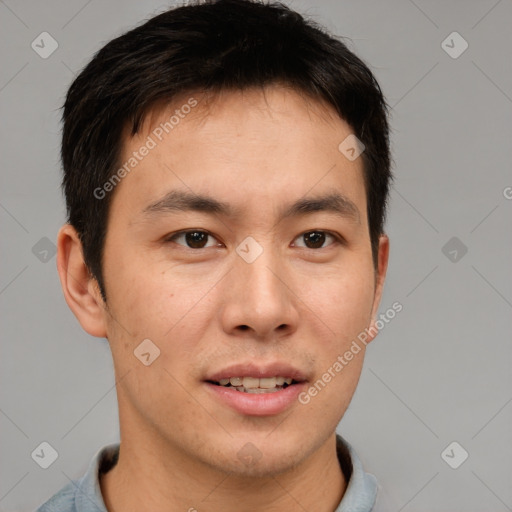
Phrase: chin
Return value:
(258, 456)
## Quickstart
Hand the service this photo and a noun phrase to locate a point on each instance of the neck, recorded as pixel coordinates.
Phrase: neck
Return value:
(158, 477)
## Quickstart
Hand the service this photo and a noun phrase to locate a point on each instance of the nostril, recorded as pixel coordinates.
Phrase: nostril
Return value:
(244, 327)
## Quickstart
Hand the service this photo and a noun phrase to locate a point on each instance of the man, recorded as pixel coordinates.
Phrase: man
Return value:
(226, 171)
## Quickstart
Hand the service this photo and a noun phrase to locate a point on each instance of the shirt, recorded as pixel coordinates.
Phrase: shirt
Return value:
(84, 494)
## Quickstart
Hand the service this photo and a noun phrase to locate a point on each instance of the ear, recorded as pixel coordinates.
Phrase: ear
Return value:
(382, 266)
(80, 288)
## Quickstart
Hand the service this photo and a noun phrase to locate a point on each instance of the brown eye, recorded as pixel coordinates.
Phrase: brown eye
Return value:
(192, 239)
(315, 239)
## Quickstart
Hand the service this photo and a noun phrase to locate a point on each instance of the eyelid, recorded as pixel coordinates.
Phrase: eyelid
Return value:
(337, 238)
(172, 236)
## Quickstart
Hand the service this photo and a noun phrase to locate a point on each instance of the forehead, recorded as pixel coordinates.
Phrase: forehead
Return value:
(250, 144)
(237, 118)
(218, 103)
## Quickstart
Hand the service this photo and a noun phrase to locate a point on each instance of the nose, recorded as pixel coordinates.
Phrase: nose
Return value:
(260, 300)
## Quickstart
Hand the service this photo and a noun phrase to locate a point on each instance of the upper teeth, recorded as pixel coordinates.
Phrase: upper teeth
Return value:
(252, 382)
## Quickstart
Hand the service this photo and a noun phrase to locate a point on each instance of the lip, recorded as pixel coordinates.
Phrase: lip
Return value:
(276, 369)
(260, 404)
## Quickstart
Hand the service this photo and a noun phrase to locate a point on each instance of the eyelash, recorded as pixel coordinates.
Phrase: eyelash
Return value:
(337, 238)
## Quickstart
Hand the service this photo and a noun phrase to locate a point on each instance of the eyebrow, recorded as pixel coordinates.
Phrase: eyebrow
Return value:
(179, 201)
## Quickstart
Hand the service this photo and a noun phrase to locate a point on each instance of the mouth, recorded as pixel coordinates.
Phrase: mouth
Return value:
(255, 385)
(256, 390)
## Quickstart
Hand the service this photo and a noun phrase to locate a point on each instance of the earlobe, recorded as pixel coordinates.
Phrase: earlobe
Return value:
(382, 266)
(79, 287)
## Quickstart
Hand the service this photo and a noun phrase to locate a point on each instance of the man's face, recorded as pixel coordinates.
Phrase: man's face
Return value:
(284, 303)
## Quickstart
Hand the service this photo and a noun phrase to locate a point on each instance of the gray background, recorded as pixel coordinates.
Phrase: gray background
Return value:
(439, 372)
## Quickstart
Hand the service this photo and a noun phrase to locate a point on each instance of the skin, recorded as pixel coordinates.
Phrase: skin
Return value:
(207, 308)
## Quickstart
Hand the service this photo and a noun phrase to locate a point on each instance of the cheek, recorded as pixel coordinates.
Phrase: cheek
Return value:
(147, 299)
(344, 304)
(160, 305)
(155, 306)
